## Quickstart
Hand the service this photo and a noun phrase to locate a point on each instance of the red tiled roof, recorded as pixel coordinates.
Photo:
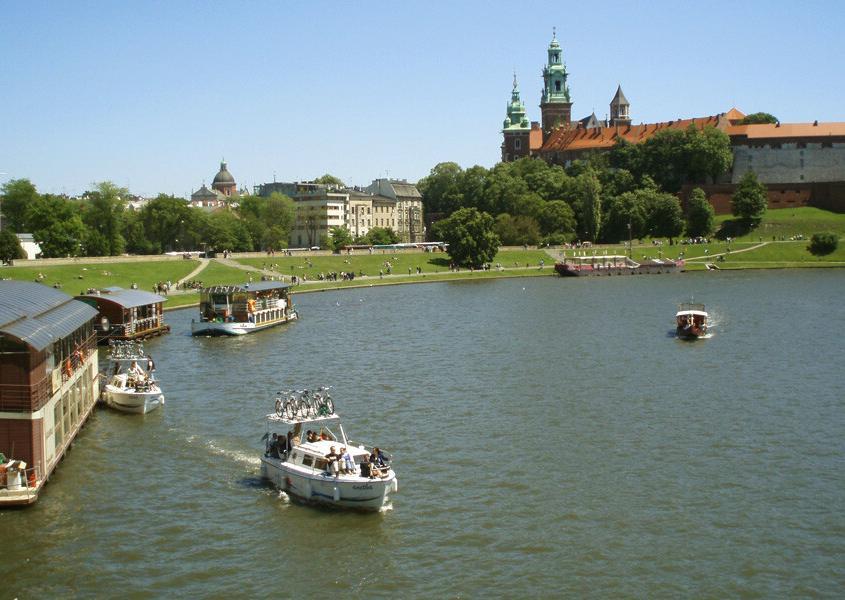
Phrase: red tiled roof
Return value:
(535, 138)
(787, 130)
(606, 137)
(734, 115)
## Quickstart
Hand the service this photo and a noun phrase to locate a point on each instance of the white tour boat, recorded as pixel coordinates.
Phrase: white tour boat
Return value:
(241, 309)
(306, 470)
(130, 381)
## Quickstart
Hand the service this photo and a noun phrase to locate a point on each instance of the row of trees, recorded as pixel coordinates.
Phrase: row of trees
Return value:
(100, 224)
(629, 192)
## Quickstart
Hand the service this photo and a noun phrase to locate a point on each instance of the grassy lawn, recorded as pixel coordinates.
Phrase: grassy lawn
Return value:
(219, 274)
(75, 278)
(371, 264)
(784, 223)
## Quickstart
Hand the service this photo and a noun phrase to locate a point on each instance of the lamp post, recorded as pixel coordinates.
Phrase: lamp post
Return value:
(630, 239)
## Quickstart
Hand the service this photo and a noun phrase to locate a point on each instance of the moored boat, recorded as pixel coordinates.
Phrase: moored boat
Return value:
(131, 387)
(326, 467)
(691, 321)
(581, 266)
(241, 309)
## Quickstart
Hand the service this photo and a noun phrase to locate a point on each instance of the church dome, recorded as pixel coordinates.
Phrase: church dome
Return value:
(223, 175)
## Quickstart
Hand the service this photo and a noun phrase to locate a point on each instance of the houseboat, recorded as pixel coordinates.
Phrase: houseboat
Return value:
(597, 265)
(691, 321)
(241, 309)
(325, 468)
(48, 383)
(126, 314)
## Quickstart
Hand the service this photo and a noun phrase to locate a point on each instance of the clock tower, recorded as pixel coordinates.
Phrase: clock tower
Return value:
(555, 104)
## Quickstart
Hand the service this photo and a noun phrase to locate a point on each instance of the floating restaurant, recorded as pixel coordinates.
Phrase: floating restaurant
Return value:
(48, 383)
(126, 314)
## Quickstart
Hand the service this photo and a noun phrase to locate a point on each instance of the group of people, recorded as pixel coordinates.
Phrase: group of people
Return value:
(341, 463)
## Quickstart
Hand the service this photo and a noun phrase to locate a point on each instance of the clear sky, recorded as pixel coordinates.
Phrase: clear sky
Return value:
(151, 95)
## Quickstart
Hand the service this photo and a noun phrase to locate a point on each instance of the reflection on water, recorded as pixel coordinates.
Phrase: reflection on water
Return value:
(548, 437)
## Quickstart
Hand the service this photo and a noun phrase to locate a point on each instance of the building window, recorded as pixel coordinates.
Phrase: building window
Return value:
(517, 144)
(802, 145)
(827, 144)
(557, 86)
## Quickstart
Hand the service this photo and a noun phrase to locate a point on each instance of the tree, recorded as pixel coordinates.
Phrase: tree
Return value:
(664, 158)
(340, 237)
(823, 243)
(588, 204)
(56, 226)
(170, 224)
(18, 195)
(759, 118)
(439, 188)
(623, 210)
(10, 246)
(625, 155)
(328, 179)
(700, 215)
(664, 215)
(708, 153)
(750, 200)
(556, 217)
(382, 236)
(469, 233)
(516, 231)
(102, 212)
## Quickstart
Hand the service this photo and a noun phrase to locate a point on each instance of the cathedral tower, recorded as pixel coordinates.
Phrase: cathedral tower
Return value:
(620, 109)
(516, 128)
(555, 104)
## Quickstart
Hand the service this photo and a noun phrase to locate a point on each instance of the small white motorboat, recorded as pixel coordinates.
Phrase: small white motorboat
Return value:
(326, 467)
(129, 386)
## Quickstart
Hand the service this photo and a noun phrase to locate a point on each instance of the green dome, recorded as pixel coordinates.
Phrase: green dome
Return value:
(223, 175)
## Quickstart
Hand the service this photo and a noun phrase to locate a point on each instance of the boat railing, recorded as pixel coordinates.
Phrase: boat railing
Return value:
(24, 480)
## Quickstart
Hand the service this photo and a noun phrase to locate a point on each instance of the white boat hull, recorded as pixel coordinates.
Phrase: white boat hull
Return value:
(132, 402)
(234, 328)
(314, 486)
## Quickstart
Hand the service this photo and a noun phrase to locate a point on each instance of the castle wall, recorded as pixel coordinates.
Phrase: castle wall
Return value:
(794, 162)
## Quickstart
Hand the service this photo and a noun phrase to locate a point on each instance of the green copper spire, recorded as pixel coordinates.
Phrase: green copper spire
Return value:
(516, 119)
(555, 88)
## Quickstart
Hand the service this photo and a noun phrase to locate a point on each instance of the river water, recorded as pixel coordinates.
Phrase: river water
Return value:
(550, 438)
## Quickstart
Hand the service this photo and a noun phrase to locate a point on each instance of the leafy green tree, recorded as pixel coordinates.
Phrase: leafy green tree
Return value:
(172, 225)
(700, 215)
(664, 215)
(439, 189)
(132, 230)
(502, 191)
(627, 156)
(759, 118)
(10, 246)
(516, 231)
(588, 204)
(17, 196)
(708, 153)
(627, 208)
(382, 236)
(275, 238)
(664, 158)
(340, 237)
(56, 226)
(823, 243)
(470, 190)
(750, 199)
(469, 233)
(102, 212)
(269, 220)
(328, 179)
(557, 217)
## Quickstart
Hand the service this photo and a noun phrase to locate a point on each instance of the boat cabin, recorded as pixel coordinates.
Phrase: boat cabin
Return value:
(126, 314)
(260, 302)
(48, 382)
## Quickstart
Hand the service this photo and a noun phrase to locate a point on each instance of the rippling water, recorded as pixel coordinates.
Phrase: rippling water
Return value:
(551, 438)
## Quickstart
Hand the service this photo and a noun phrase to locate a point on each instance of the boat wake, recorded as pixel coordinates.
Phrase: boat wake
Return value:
(214, 449)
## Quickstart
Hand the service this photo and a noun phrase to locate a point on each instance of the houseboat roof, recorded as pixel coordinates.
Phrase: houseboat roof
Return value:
(39, 315)
(258, 286)
(126, 298)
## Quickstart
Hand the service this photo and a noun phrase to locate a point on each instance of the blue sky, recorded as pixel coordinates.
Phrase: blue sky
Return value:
(151, 95)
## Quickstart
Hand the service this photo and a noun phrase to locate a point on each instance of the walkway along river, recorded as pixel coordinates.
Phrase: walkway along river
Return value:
(551, 438)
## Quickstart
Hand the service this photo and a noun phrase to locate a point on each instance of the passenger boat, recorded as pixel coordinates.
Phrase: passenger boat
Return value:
(581, 266)
(691, 321)
(126, 314)
(305, 470)
(130, 382)
(241, 309)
